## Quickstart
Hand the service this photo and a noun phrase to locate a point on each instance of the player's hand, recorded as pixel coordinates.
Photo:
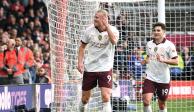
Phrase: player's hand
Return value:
(160, 59)
(143, 62)
(81, 68)
(105, 23)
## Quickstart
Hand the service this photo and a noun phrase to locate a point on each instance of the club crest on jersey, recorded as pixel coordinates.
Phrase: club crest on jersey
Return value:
(99, 37)
(155, 49)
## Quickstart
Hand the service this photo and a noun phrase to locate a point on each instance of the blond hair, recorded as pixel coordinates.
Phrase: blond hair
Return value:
(104, 12)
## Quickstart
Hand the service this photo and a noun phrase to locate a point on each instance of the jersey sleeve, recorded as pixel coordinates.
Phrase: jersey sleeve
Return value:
(85, 37)
(172, 51)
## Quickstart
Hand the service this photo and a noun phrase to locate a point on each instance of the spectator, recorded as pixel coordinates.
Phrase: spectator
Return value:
(6, 6)
(176, 70)
(17, 7)
(3, 20)
(13, 64)
(135, 63)
(38, 59)
(29, 6)
(11, 23)
(121, 59)
(122, 25)
(13, 33)
(4, 38)
(189, 64)
(3, 75)
(45, 27)
(42, 76)
(21, 27)
(29, 60)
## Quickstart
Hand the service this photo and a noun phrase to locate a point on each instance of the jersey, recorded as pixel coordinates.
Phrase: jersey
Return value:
(100, 50)
(157, 71)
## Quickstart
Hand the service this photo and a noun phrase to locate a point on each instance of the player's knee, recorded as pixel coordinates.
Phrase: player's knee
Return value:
(146, 102)
(85, 99)
(105, 98)
(161, 105)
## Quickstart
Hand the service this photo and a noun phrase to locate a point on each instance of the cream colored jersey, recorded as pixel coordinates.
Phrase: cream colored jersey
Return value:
(100, 50)
(157, 71)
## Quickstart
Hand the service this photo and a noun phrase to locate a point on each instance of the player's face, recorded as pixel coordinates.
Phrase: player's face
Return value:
(97, 19)
(158, 32)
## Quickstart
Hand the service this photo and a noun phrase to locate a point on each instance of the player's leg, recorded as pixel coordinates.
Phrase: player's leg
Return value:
(88, 83)
(162, 93)
(162, 106)
(84, 100)
(147, 97)
(106, 93)
(105, 84)
(148, 91)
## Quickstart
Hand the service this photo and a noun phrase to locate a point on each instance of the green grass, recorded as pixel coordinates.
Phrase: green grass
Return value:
(172, 105)
(181, 105)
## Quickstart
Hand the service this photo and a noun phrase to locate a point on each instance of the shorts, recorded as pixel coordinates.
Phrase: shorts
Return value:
(91, 79)
(161, 89)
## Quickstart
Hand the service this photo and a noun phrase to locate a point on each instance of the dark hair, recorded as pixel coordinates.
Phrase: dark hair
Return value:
(162, 25)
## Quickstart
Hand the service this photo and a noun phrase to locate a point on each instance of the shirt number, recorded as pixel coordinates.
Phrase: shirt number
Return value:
(109, 78)
(164, 92)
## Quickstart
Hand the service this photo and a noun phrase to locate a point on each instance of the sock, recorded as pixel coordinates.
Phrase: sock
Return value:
(107, 107)
(147, 109)
(82, 107)
(165, 110)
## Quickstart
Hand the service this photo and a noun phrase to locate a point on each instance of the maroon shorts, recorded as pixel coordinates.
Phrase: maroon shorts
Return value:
(90, 80)
(161, 89)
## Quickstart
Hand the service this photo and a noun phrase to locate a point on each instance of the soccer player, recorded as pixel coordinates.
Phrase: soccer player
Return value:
(97, 64)
(160, 54)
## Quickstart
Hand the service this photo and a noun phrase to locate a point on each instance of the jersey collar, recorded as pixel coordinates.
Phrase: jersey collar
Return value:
(164, 39)
(98, 30)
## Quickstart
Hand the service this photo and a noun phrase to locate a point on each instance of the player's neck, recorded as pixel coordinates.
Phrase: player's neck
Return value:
(101, 29)
(158, 41)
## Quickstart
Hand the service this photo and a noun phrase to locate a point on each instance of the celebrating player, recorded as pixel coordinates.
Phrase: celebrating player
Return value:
(160, 53)
(100, 40)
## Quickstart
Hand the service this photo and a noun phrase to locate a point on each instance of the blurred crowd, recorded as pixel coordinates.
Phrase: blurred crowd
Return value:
(24, 42)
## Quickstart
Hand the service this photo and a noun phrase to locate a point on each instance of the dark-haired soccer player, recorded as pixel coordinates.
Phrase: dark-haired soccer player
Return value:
(160, 54)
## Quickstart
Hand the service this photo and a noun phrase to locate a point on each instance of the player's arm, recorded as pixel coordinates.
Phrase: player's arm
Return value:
(112, 36)
(81, 57)
(173, 56)
(171, 61)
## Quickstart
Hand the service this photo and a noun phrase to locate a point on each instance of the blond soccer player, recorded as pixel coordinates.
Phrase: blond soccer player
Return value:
(96, 66)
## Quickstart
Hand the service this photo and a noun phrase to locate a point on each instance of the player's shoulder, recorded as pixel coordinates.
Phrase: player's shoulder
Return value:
(90, 27)
(150, 42)
(168, 42)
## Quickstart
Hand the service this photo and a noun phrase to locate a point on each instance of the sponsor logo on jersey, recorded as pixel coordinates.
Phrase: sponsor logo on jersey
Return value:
(100, 37)
(155, 49)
